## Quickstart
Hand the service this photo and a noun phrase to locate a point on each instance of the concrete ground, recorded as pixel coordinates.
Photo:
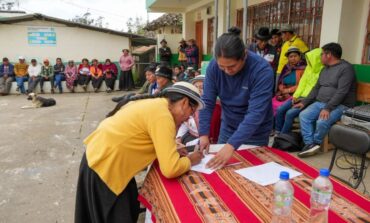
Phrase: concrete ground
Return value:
(40, 152)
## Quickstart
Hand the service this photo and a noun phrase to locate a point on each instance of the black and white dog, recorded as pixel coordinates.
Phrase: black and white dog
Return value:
(38, 102)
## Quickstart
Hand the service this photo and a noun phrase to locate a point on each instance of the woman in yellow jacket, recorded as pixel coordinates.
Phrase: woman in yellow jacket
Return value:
(135, 133)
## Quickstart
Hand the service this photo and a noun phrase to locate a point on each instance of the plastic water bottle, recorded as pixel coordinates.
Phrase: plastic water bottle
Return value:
(321, 192)
(283, 199)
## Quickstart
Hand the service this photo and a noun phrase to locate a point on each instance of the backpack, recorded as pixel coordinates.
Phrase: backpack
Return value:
(290, 142)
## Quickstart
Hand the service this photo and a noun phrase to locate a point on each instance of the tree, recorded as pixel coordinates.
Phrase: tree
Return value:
(8, 5)
(87, 19)
(136, 25)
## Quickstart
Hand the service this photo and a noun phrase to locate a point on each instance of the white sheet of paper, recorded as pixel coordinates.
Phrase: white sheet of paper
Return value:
(201, 167)
(214, 148)
(193, 143)
(267, 173)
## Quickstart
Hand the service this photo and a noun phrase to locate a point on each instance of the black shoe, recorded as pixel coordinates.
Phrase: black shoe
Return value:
(309, 150)
(42, 91)
(117, 99)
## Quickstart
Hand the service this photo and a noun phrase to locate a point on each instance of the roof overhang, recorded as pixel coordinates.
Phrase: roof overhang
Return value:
(178, 6)
(136, 40)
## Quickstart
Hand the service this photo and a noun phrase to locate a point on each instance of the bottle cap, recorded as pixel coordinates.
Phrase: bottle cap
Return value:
(284, 175)
(324, 172)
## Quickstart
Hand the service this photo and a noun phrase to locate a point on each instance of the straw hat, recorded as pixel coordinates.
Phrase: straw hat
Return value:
(188, 90)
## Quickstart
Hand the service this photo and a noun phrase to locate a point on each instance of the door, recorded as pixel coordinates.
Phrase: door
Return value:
(199, 39)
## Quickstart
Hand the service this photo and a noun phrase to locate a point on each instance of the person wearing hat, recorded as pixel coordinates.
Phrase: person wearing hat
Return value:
(21, 74)
(276, 41)
(262, 47)
(188, 135)
(34, 72)
(289, 79)
(47, 74)
(290, 39)
(165, 54)
(182, 55)
(163, 76)
(138, 131)
(6, 76)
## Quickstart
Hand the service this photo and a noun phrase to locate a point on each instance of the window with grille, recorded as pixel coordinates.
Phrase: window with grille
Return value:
(210, 34)
(304, 15)
(366, 57)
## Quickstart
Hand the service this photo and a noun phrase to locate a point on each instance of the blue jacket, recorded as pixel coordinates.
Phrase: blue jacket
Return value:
(245, 100)
(11, 70)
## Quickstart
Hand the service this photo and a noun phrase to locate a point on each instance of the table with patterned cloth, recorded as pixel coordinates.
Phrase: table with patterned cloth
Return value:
(225, 196)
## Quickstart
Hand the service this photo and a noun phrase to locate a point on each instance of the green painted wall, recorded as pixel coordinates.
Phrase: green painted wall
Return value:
(174, 58)
(362, 73)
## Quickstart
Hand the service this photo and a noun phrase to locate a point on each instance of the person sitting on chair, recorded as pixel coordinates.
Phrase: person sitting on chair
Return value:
(334, 92)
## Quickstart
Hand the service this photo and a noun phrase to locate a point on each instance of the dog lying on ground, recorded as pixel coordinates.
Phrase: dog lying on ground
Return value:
(38, 102)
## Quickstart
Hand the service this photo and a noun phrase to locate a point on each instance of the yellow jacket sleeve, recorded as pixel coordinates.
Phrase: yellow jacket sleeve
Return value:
(162, 132)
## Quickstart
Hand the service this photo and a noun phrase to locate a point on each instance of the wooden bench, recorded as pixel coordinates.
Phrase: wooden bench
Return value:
(363, 95)
(47, 87)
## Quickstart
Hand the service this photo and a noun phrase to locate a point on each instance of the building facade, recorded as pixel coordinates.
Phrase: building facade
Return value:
(316, 21)
(38, 36)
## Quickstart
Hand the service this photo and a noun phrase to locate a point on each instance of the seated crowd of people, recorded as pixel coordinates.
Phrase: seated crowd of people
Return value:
(37, 74)
(86, 72)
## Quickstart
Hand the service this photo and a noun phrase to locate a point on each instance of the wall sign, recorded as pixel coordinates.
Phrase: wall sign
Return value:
(44, 36)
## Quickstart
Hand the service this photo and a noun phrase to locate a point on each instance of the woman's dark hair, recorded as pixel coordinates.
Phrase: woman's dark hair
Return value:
(151, 68)
(230, 45)
(172, 97)
(334, 49)
(93, 60)
(108, 60)
(84, 59)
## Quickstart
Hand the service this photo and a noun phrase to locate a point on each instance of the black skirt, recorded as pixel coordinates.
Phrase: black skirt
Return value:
(96, 203)
(126, 80)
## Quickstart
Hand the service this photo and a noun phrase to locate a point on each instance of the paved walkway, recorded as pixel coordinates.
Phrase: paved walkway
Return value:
(40, 152)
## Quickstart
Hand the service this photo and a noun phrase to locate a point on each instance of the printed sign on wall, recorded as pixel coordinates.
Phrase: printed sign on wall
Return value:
(42, 36)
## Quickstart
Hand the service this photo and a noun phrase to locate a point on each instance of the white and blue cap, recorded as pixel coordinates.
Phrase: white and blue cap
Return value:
(324, 172)
(188, 90)
(284, 175)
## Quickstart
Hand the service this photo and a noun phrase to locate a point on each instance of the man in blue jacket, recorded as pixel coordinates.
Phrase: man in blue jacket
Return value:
(6, 76)
(243, 81)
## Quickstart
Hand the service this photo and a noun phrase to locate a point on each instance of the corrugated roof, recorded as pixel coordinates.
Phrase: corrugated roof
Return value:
(136, 40)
